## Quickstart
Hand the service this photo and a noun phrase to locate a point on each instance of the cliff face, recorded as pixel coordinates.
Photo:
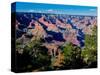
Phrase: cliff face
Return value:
(55, 28)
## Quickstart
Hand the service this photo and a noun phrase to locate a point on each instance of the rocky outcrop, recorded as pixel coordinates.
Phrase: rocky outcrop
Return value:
(55, 27)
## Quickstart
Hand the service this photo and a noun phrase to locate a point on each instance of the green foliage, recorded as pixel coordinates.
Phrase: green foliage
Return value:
(89, 53)
(67, 51)
(35, 55)
(85, 57)
(72, 55)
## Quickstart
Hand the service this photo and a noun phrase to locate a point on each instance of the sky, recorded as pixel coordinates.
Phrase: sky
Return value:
(55, 8)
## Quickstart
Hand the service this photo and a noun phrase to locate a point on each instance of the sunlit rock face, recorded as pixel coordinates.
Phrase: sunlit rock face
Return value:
(55, 28)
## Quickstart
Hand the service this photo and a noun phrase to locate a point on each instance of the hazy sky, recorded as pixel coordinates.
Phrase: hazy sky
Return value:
(54, 8)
